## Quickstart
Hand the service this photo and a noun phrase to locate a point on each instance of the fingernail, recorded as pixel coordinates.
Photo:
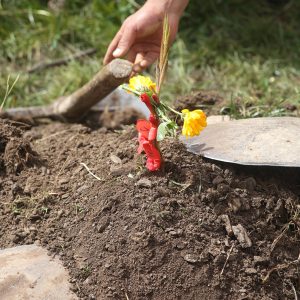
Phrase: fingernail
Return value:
(117, 52)
(143, 63)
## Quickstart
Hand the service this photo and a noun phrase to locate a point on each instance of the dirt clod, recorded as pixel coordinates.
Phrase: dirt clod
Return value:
(242, 236)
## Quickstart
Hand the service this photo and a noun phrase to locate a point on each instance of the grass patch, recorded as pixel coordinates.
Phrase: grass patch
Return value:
(247, 51)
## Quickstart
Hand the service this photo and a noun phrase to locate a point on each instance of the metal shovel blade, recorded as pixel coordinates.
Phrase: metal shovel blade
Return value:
(260, 141)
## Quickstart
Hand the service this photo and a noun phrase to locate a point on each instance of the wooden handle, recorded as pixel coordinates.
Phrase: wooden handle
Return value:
(76, 105)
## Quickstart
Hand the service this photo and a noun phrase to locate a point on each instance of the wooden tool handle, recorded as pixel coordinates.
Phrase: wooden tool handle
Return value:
(104, 82)
(76, 105)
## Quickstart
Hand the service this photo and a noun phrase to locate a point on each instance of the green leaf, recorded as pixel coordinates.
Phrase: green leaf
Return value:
(162, 131)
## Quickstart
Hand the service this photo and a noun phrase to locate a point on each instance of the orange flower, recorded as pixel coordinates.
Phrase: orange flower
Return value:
(194, 122)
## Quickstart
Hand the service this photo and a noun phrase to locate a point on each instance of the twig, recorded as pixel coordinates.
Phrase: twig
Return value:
(184, 185)
(285, 228)
(280, 267)
(275, 242)
(228, 255)
(294, 290)
(19, 123)
(87, 168)
(62, 61)
(200, 185)
(127, 298)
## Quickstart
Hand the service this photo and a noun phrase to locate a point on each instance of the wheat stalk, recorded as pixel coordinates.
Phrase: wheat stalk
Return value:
(162, 64)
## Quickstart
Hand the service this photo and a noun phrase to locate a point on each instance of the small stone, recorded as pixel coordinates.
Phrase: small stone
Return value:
(32, 229)
(107, 265)
(120, 170)
(242, 236)
(235, 204)
(176, 233)
(217, 180)
(250, 271)
(60, 213)
(87, 281)
(228, 227)
(73, 288)
(103, 224)
(37, 243)
(115, 159)
(227, 172)
(137, 236)
(34, 217)
(191, 258)
(258, 260)
(63, 180)
(223, 188)
(144, 182)
(82, 188)
(163, 192)
(15, 238)
(180, 245)
(168, 155)
(43, 170)
(214, 251)
(102, 130)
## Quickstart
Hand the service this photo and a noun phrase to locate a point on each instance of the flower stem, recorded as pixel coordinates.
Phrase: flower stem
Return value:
(172, 110)
(125, 87)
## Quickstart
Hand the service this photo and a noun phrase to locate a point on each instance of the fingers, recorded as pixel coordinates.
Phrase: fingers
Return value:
(112, 46)
(131, 55)
(121, 43)
(149, 59)
(137, 67)
(127, 39)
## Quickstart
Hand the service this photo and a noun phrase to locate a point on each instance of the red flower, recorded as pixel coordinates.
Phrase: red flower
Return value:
(146, 99)
(153, 156)
(153, 120)
(143, 127)
(155, 98)
(147, 137)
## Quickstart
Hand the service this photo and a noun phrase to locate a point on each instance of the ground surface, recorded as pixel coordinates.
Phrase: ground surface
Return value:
(196, 230)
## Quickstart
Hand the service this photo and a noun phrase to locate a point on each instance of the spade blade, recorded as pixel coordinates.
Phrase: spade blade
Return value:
(260, 141)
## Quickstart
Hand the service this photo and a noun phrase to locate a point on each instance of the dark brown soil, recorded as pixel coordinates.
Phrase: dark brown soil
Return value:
(131, 234)
(211, 102)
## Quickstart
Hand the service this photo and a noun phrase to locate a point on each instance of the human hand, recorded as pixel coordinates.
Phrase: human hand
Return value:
(139, 37)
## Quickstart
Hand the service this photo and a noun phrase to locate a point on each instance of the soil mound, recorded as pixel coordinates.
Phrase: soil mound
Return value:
(15, 151)
(196, 230)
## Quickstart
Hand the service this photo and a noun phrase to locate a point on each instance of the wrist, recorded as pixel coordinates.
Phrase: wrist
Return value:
(174, 7)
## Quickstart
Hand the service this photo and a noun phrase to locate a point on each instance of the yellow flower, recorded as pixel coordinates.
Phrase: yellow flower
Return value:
(142, 84)
(194, 122)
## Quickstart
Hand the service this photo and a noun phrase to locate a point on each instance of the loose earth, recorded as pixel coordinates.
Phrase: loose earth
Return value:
(195, 230)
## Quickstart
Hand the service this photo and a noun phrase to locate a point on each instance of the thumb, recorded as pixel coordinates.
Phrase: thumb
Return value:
(127, 39)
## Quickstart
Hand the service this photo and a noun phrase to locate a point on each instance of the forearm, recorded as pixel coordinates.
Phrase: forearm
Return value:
(175, 7)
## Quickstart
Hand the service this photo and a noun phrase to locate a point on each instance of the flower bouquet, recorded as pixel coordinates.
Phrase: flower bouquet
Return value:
(160, 124)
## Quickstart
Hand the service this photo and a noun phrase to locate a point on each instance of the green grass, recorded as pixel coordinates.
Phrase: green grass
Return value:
(248, 51)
